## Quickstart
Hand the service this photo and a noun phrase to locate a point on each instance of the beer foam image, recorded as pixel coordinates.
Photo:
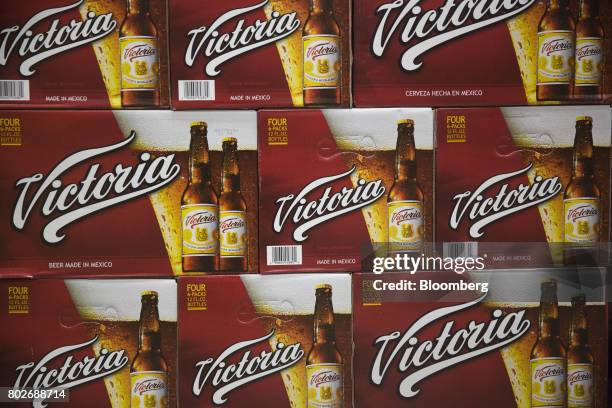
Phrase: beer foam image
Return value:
(557, 124)
(549, 133)
(523, 30)
(376, 129)
(295, 294)
(114, 305)
(120, 299)
(106, 49)
(290, 48)
(168, 131)
(369, 130)
(287, 304)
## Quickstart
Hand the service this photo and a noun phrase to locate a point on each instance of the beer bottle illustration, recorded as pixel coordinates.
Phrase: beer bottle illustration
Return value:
(199, 208)
(232, 212)
(149, 370)
(321, 47)
(139, 47)
(405, 198)
(581, 199)
(580, 384)
(548, 365)
(555, 52)
(589, 52)
(324, 361)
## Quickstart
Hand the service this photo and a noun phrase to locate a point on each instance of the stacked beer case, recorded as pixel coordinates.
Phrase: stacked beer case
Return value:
(305, 203)
(516, 186)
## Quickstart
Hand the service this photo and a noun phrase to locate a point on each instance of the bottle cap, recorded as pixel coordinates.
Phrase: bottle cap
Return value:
(405, 122)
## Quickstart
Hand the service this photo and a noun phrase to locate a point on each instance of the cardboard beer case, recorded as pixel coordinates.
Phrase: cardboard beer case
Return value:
(89, 337)
(477, 53)
(256, 54)
(84, 54)
(280, 341)
(329, 198)
(474, 337)
(99, 193)
(524, 186)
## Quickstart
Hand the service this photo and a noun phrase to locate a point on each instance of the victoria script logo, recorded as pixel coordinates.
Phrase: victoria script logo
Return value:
(53, 39)
(95, 192)
(421, 30)
(226, 377)
(450, 347)
(70, 373)
(223, 47)
(308, 214)
(503, 202)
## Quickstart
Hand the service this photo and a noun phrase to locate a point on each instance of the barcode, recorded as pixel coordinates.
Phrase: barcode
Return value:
(14, 90)
(285, 255)
(203, 90)
(460, 250)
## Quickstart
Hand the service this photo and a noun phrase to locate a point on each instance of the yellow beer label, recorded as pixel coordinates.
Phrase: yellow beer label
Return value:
(149, 389)
(233, 233)
(580, 386)
(548, 382)
(555, 57)
(321, 61)
(325, 387)
(139, 63)
(589, 61)
(581, 219)
(406, 229)
(200, 234)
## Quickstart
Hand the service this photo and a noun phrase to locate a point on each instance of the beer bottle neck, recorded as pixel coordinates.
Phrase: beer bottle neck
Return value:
(579, 337)
(578, 328)
(230, 173)
(138, 6)
(199, 157)
(149, 332)
(321, 6)
(556, 4)
(583, 153)
(583, 167)
(324, 325)
(405, 154)
(588, 8)
(549, 320)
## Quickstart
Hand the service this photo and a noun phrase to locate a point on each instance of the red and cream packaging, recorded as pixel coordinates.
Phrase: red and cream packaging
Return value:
(99, 193)
(429, 338)
(91, 54)
(333, 192)
(474, 53)
(262, 53)
(526, 185)
(106, 343)
(277, 341)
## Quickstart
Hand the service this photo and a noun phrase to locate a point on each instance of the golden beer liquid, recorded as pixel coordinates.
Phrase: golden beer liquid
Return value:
(523, 30)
